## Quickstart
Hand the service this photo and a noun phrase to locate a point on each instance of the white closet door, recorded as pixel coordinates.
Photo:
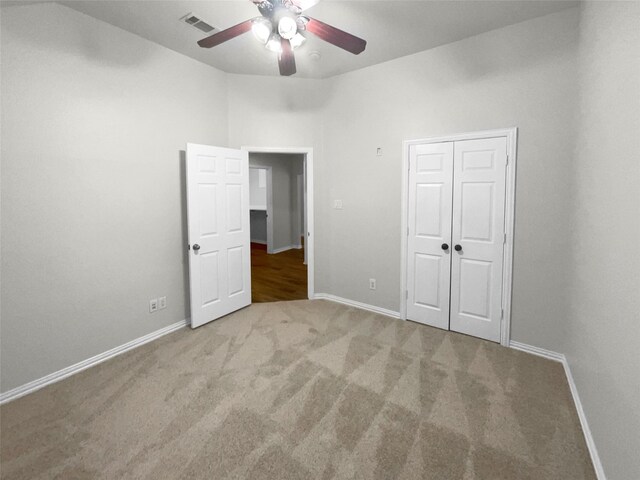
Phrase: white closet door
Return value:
(478, 237)
(429, 215)
(218, 217)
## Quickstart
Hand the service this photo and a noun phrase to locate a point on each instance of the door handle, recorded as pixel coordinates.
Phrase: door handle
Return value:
(196, 247)
(458, 248)
(445, 246)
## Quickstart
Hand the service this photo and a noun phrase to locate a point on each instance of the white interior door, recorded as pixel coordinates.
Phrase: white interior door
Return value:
(478, 236)
(219, 233)
(429, 233)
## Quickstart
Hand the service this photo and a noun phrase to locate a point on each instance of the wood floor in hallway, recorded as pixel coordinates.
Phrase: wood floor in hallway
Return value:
(279, 276)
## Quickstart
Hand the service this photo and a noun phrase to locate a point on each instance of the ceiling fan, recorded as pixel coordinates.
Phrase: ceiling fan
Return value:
(280, 29)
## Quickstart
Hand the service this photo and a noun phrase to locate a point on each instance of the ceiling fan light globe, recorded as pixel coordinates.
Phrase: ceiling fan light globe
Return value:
(274, 44)
(287, 27)
(262, 29)
(297, 40)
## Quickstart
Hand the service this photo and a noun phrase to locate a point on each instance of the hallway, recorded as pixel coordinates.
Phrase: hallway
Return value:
(276, 277)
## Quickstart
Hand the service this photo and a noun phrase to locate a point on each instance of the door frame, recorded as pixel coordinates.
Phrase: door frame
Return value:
(511, 135)
(269, 204)
(307, 153)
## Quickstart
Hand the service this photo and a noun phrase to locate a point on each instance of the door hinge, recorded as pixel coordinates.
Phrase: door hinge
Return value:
(504, 241)
(409, 165)
(407, 231)
(507, 159)
(406, 294)
(502, 313)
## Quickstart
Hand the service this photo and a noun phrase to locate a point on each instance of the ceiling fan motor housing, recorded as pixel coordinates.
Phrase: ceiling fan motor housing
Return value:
(279, 30)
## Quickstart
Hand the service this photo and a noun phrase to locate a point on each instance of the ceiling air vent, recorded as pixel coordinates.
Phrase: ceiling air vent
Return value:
(197, 22)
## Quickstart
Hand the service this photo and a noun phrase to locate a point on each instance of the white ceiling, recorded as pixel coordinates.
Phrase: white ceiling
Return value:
(392, 28)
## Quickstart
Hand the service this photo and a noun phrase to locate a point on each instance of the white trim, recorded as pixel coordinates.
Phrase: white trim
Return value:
(588, 437)
(284, 249)
(511, 135)
(509, 229)
(299, 230)
(309, 241)
(89, 362)
(591, 444)
(540, 352)
(353, 303)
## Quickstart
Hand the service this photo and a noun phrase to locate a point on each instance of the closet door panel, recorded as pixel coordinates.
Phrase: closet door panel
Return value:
(478, 237)
(429, 215)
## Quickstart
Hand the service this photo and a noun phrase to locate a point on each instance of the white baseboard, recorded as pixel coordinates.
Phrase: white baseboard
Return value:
(353, 303)
(89, 362)
(284, 249)
(560, 357)
(540, 352)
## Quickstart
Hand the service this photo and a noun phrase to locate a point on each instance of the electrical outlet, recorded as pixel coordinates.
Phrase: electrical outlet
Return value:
(162, 303)
(337, 204)
(372, 284)
(379, 152)
(153, 305)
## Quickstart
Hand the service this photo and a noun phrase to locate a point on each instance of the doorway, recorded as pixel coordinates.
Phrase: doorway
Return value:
(457, 224)
(281, 216)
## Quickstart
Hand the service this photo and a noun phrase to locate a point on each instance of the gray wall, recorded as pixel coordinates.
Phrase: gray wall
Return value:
(93, 202)
(284, 168)
(93, 223)
(603, 325)
(523, 75)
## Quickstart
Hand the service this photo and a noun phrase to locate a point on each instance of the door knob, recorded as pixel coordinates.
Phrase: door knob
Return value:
(458, 248)
(445, 246)
(196, 247)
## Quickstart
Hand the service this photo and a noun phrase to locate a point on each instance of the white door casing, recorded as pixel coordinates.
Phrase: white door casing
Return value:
(305, 223)
(469, 307)
(429, 230)
(219, 232)
(478, 229)
(308, 205)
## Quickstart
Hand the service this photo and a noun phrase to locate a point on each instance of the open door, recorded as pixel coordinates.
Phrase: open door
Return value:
(219, 236)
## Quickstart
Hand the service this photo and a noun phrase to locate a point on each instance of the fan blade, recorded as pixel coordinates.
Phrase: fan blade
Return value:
(286, 60)
(224, 35)
(337, 37)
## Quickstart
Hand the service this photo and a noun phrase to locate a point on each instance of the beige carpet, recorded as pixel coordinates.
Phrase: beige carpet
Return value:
(302, 390)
